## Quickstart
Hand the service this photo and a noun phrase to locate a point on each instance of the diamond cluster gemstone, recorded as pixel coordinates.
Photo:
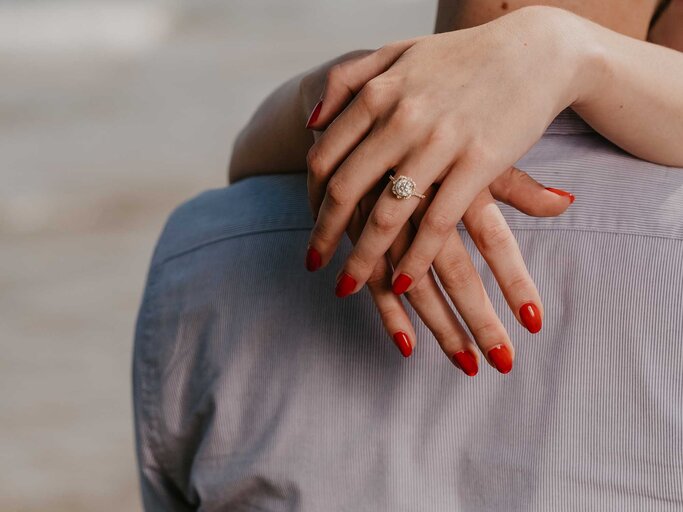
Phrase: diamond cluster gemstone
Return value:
(403, 187)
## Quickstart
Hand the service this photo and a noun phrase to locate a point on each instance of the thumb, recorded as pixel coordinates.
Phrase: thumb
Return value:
(519, 190)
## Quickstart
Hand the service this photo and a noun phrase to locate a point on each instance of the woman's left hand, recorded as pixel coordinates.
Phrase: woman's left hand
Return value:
(458, 109)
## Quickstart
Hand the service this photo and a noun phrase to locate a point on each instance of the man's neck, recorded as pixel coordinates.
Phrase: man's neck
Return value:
(630, 17)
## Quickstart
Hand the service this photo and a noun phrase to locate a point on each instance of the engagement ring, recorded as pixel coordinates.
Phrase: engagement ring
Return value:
(404, 187)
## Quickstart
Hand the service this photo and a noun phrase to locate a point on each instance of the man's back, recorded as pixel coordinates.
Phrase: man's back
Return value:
(257, 389)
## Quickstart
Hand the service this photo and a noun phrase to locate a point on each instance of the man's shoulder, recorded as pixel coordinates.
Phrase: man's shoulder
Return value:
(616, 193)
(254, 205)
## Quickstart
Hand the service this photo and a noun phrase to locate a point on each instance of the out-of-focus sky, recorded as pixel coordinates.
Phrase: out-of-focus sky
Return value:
(111, 113)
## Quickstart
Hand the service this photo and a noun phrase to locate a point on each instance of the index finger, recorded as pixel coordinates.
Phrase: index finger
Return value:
(345, 79)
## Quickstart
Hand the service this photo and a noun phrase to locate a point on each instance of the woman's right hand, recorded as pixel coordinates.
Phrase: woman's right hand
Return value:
(459, 278)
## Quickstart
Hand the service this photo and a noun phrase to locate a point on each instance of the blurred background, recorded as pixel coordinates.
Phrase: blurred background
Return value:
(112, 113)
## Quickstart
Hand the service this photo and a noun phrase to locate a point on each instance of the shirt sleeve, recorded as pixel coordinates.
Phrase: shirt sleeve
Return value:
(159, 491)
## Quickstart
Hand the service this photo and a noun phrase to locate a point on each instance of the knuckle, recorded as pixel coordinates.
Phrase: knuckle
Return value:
(443, 134)
(336, 75)
(359, 265)
(519, 282)
(421, 292)
(379, 278)
(481, 154)
(417, 262)
(489, 329)
(383, 219)
(448, 338)
(390, 313)
(336, 192)
(438, 223)
(315, 162)
(503, 186)
(321, 236)
(408, 114)
(515, 178)
(457, 273)
(517, 175)
(370, 95)
(494, 237)
(389, 310)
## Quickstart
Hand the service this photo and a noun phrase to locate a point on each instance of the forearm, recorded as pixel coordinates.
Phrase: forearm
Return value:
(275, 138)
(632, 94)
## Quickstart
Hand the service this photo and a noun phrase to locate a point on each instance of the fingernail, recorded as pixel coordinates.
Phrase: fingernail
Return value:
(562, 193)
(314, 115)
(313, 260)
(466, 361)
(501, 358)
(531, 317)
(403, 343)
(402, 283)
(345, 285)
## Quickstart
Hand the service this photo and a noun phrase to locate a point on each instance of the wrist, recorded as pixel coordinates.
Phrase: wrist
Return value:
(589, 59)
(576, 53)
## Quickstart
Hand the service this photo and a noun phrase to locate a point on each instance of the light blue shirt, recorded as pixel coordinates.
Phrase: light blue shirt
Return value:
(256, 389)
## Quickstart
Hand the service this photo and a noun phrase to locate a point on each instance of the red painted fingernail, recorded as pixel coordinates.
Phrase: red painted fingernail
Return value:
(314, 115)
(402, 283)
(345, 285)
(313, 260)
(403, 343)
(501, 358)
(562, 193)
(531, 317)
(466, 361)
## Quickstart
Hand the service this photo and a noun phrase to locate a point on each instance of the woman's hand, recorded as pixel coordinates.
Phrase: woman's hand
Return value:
(457, 109)
(454, 267)
(459, 277)
(312, 84)
(622, 102)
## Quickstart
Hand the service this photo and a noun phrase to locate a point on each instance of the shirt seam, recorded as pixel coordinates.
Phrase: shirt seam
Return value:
(224, 238)
(148, 375)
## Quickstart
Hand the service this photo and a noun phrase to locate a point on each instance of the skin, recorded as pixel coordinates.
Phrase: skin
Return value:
(515, 188)
(667, 31)
(488, 229)
(628, 17)
(461, 280)
(464, 122)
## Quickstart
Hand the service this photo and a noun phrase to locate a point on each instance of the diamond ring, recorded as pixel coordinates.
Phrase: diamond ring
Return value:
(404, 188)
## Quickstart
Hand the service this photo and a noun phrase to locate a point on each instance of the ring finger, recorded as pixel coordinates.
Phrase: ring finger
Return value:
(388, 216)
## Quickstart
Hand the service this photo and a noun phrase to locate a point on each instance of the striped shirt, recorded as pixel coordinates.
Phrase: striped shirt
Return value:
(256, 389)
